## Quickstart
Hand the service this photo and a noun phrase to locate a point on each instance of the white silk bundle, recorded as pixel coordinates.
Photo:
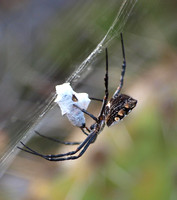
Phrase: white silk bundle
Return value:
(67, 98)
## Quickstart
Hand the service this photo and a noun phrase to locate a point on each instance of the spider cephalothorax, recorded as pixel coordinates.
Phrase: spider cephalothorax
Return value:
(111, 112)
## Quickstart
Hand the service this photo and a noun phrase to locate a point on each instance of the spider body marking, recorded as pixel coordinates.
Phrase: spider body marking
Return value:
(111, 112)
(117, 108)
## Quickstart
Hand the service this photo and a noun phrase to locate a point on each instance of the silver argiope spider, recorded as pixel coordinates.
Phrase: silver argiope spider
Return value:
(111, 112)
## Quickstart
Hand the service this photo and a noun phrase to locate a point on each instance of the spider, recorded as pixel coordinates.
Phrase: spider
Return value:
(111, 112)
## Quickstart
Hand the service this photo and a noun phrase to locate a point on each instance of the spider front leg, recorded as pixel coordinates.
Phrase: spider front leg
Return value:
(66, 156)
(86, 112)
(90, 115)
(82, 129)
(92, 139)
(56, 140)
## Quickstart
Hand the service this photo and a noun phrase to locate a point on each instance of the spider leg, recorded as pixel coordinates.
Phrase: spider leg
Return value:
(96, 99)
(84, 131)
(105, 99)
(90, 138)
(87, 129)
(87, 113)
(123, 69)
(28, 149)
(56, 140)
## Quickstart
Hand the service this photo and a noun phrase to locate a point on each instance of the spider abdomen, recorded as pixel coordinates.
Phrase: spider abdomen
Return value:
(118, 107)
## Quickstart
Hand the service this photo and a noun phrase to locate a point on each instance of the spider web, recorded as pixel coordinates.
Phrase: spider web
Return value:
(26, 133)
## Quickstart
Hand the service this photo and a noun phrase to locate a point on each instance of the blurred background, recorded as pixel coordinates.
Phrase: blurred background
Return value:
(41, 44)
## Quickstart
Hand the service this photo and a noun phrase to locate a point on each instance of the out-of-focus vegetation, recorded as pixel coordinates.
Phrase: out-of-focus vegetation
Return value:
(41, 44)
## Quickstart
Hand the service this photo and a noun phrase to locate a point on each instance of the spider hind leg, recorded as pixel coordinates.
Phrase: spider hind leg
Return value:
(123, 69)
